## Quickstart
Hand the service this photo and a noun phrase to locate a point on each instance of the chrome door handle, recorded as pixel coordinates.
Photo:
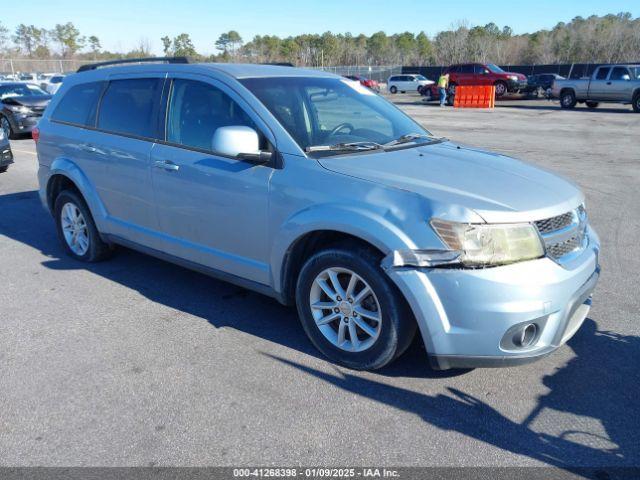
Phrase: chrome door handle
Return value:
(166, 165)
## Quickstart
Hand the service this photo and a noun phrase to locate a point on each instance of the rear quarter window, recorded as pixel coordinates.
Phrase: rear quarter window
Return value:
(79, 104)
(131, 107)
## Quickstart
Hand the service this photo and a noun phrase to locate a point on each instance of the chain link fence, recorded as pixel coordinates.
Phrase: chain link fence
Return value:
(379, 73)
(16, 66)
(568, 70)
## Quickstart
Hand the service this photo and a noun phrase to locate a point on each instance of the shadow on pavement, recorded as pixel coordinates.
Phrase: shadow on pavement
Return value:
(601, 382)
(555, 106)
(24, 220)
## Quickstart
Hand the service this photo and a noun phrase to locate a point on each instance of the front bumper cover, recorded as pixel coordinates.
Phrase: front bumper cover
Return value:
(464, 314)
(6, 156)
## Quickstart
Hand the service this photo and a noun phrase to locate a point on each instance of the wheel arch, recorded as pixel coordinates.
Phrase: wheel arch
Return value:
(309, 231)
(568, 89)
(65, 174)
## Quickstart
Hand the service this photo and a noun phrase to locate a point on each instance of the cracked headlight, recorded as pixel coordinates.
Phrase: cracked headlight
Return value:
(490, 245)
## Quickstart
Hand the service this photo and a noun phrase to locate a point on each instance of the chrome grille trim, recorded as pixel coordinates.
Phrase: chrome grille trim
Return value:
(552, 224)
(564, 234)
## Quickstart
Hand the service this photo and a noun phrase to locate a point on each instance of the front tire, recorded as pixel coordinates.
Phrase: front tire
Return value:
(501, 89)
(351, 310)
(76, 229)
(4, 168)
(568, 99)
(636, 102)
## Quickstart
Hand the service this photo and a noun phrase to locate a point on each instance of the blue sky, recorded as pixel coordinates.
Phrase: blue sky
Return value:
(120, 24)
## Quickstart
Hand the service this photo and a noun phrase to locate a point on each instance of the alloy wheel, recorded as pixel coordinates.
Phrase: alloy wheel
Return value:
(74, 228)
(345, 309)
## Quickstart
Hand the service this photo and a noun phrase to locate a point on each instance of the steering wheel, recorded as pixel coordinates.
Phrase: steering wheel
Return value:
(339, 127)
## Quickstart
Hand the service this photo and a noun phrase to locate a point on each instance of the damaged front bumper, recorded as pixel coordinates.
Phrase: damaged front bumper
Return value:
(477, 317)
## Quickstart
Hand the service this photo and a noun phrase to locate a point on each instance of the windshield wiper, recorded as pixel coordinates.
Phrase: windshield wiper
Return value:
(410, 137)
(345, 147)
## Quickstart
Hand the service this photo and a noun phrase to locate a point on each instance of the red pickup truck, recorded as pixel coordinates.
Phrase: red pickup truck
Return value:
(481, 74)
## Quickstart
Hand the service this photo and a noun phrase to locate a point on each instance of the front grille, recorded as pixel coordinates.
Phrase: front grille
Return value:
(549, 225)
(561, 249)
(563, 234)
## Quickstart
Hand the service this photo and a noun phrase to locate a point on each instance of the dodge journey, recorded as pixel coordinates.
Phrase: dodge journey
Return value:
(314, 190)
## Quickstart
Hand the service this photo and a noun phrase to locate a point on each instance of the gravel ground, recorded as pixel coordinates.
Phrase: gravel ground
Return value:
(138, 362)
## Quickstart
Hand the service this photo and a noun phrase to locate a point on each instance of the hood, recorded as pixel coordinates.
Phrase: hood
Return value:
(496, 187)
(28, 100)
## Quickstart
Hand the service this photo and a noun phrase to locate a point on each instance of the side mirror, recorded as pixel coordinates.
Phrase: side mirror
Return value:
(626, 77)
(239, 141)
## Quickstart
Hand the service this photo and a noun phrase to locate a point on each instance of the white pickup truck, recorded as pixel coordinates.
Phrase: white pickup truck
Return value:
(609, 83)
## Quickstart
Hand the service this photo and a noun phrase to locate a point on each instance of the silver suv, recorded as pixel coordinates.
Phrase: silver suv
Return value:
(312, 189)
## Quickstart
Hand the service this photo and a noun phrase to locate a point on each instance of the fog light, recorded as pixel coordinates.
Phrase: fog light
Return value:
(526, 335)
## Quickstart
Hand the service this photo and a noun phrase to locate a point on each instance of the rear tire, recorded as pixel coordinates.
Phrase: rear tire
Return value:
(379, 342)
(568, 99)
(451, 94)
(592, 105)
(393, 89)
(6, 126)
(76, 229)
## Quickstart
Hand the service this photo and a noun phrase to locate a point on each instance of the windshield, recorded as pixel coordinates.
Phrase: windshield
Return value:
(494, 68)
(421, 77)
(635, 73)
(20, 90)
(329, 111)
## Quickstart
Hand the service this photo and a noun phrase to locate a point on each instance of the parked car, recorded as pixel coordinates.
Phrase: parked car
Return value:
(323, 195)
(53, 84)
(21, 106)
(609, 83)
(6, 157)
(483, 74)
(367, 82)
(407, 83)
(43, 79)
(540, 84)
(28, 78)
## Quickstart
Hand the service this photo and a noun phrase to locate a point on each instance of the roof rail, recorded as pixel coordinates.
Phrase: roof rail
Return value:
(279, 64)
(94, 66)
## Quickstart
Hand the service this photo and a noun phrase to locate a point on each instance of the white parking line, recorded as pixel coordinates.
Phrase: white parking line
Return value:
(23, 151)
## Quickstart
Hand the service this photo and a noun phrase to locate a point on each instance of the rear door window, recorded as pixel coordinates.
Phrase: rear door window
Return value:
(78, 106)
(197, 110)
(131, 107)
